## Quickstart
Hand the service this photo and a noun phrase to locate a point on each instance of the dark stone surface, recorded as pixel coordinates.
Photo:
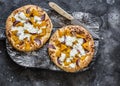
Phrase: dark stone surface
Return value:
(105, 71)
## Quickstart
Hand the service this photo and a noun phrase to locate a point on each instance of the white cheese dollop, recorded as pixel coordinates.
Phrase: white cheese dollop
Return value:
(22, 16)
(69, 40)
(73, 52)
(68, 60)
(80, 48)
(27, 36)
(36, 18)
(30, 28)
(80, 41)
(61, 39)
(72, 65)
(62, 57)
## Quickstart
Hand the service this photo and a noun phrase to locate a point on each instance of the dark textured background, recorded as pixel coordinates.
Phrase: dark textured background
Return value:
(105, 71)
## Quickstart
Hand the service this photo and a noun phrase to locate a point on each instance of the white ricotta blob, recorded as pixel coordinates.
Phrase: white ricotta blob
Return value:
(68, 60)
(36, 18)
(62, 57)
(22, 16)
(61, 39)
(69, 40)
(81, 49)
(73, 52)
(72, 65)
(30, 28)
(80, 41)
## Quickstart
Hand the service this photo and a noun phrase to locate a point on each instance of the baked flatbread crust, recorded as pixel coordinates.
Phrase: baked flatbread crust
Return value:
(81, 62)
(42, 39)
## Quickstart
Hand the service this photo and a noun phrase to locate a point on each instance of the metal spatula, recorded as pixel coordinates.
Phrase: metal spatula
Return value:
(62, 12)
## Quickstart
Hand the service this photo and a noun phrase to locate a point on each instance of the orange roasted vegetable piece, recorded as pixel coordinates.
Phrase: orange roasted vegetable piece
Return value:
(63, 47)
(58, 53)
(80, 35)
(60, 33)
(27, 46)
(13, 19)
(35, 13)
(86, 45)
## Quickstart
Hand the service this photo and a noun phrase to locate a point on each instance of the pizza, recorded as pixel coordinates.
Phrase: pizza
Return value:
(28, 28)
(71, 48)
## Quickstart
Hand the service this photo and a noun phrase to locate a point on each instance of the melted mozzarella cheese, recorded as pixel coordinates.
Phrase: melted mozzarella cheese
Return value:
(62, 57)
(72, 65)
(70, 40)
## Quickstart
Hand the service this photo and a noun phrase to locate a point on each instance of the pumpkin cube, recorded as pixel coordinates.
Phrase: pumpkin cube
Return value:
(58, 53)
(86, 45)
(63, 47)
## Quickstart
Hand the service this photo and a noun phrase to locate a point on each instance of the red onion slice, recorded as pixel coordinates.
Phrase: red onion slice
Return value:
(38, 41)
(64, 40)
(77, 62)
(51, 46)
(58, 61)
(43, 17)
(28, 10)
(15, 22)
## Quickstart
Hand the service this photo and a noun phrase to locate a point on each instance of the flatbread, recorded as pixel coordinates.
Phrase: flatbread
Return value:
(71, 48)
(28, 28)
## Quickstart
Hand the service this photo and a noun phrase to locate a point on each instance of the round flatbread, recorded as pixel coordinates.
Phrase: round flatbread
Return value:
(28, 28)
(71, 48)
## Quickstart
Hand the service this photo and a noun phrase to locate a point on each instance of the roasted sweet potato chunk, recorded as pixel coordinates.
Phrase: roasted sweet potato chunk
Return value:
(86, 45)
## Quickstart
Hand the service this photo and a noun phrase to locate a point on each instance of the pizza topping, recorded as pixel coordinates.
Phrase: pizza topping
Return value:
(51, 46)
(62, 57)
(37, 41)
(77, 62)
(73, 52)
(15, 22)
(86, 46)
(62, 39)
(43, 17)
(28, 10)
(63, 47)
(72, 65)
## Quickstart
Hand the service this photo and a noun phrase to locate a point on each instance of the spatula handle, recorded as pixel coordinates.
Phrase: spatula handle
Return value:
(59, 10)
